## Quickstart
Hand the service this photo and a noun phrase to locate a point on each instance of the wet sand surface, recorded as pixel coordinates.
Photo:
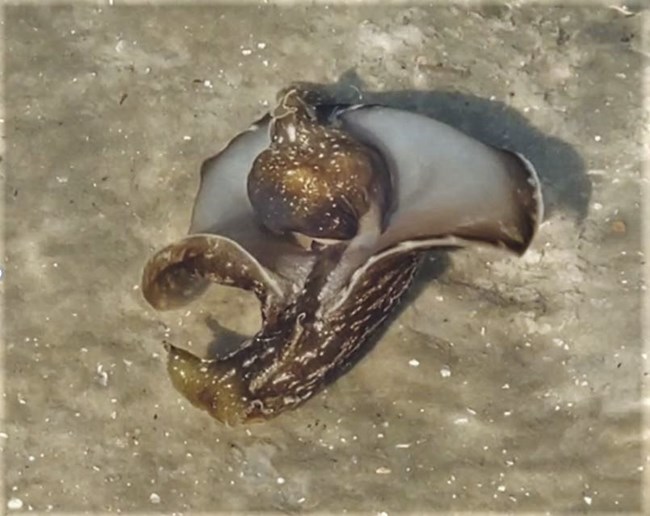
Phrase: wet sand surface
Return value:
(504, 384)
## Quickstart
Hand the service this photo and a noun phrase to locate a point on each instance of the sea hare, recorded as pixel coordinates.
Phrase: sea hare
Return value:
(324, 212)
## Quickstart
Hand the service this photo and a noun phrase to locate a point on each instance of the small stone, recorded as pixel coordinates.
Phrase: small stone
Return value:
(618, 226)
(414, 363)
(445, 372)
(587, 500)
(15, 504)
(382, 470)
(154, 498)
(102, 376)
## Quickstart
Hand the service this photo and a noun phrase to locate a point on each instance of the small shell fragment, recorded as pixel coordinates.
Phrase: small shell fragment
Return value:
(15, 504)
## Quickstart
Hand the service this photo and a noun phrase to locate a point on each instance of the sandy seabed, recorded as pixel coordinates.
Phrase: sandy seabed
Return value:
(504, 384)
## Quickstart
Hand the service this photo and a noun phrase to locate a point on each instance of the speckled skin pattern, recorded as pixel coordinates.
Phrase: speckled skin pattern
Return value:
(296, 354)
(315, 180)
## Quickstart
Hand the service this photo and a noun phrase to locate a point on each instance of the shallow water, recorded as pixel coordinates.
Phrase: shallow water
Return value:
(504, 384)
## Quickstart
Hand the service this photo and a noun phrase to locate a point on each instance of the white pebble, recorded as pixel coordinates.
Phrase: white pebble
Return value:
(413, 362)
(261, 46)
(154, 498)
(102, 376)
(382, 471)
(14, 504)
(246, 52)
(280, 480)
(597, 138)
(587, 500)
(187, 138)
(445, 372)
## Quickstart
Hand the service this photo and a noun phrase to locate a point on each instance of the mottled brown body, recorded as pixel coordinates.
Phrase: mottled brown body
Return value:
(316, 180)
(296, 355)
(380, 187)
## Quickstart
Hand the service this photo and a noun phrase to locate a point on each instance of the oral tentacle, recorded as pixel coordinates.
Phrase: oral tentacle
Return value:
(180, 272)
